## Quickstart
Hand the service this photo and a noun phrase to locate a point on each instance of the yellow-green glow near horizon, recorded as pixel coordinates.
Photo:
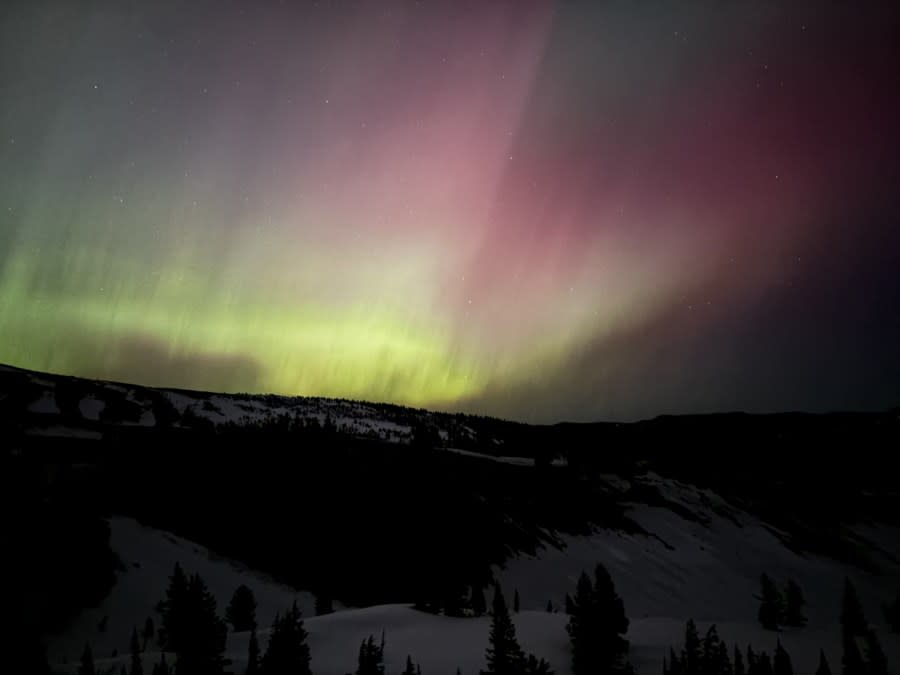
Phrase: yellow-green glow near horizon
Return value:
(539, 210)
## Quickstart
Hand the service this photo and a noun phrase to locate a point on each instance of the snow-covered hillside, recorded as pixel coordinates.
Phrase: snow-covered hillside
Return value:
(707, 570)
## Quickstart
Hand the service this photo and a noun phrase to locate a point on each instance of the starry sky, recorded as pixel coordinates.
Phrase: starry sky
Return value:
(538, 210)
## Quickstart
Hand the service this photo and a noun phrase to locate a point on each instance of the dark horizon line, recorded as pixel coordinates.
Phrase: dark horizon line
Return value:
(563, 422)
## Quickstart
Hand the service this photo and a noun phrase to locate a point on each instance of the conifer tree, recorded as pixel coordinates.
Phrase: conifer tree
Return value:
(516, 601)
(504, 656)
(549, 606)
(137, 667)
(709, 660)
(782, 661)
(723, 661)
(597, 624)
(202, 645)
(371, 657)
(770, 603)
(764, 664)
(738, 662)
(173, 609)
(794, 602)
(148, 632)
(535, 666)
(853, 621)
(87, 662)
(253, 657)
(692, 654)
(241, 611)
(288, 651)
(824, 668)
(410, 669)
(675, 667)
(876, 661)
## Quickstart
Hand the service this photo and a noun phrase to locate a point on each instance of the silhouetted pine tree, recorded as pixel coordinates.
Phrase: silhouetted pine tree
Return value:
(516, 601)
(137, 667)
(723, 661)
(752, 661)
(203, 645)
(853, 621)
(324, 604)
(535, 666)
(148, 632)
(550, 606)
(764, 664)
(241, 611)
(738, 662)
(851, 661)
(876, 661)
(596, 627)
(692, 654)
(371, 657)
(504, 656)
(87, 662)
(253, 657)
(410, 669)
(782, 661)
(173, 610)
(770, 603)
(288, 652)
(162, 668)
(674, 665)
(709, 660)
(569, 604)
(824, 668)
(793, 613)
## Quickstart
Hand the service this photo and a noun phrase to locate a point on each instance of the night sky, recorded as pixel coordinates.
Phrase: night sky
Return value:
(544, 211)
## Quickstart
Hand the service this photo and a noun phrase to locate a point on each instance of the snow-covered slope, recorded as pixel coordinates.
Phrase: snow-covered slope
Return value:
(707, 570)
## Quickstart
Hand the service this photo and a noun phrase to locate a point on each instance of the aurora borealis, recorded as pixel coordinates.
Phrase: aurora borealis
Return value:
(548, 210)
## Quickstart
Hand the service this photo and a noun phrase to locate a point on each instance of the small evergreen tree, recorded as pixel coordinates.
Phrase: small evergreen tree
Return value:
(597, 624)
(535, 666)
(173, 609)
(770, 603)
(674, 665)
(504, 656)
(723, 661)
(410, 669)
(137, 667)
(477, 600)
(853, 621)
(241, 611)
(876, 661)
(253, 657)
(516, 601)
(371, 657)
(288, 651)
(550, 607)
(709, 660)
(782, 662)
(148, 632)
(692, 654)
(794, 602)
(87, 662)
(824, 668)
(764, 664)
(738, 662)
